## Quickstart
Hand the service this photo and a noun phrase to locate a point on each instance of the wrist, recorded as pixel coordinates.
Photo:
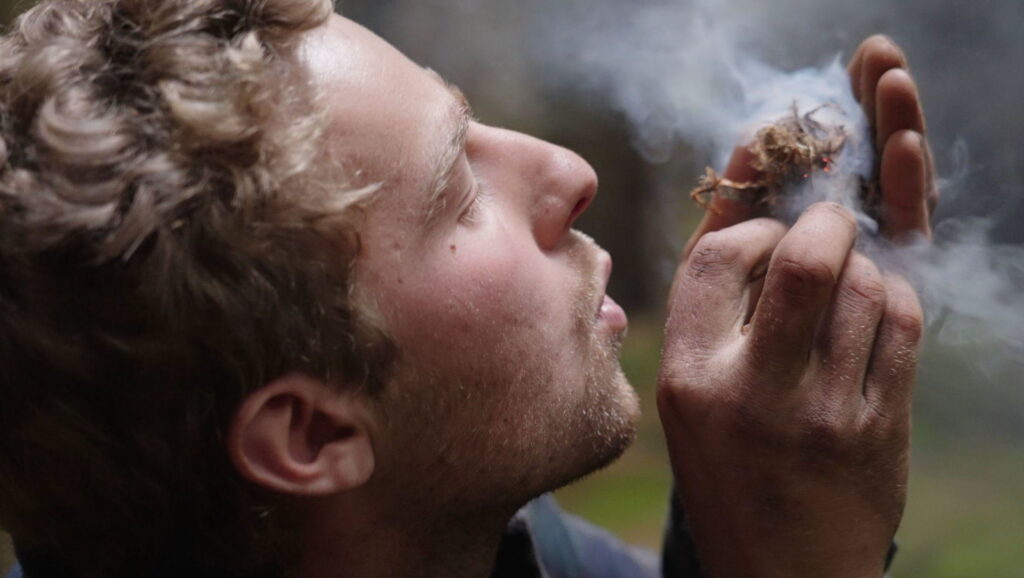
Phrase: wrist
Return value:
(730, 544)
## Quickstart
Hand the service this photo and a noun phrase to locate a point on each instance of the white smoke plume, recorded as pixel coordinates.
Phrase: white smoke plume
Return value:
(702, 74)
(692, 72)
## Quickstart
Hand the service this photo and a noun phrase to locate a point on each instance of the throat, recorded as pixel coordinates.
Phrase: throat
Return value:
(402, 545)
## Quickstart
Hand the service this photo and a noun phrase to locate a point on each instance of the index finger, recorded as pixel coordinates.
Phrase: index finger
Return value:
(710, 296)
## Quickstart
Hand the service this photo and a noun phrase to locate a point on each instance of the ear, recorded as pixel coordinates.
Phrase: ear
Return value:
(297, 435)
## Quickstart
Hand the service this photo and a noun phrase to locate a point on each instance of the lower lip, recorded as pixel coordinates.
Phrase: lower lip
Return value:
(613, 315)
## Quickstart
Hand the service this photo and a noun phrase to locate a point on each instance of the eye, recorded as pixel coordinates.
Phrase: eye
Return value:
(471, 212)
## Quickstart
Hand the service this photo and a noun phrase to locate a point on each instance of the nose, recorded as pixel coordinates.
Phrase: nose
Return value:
(554, 185)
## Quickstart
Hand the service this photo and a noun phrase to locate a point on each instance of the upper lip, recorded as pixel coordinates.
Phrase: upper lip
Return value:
(604, 264)
(605, 261)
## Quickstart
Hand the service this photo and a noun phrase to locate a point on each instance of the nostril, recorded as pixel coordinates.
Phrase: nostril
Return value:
(581, 205)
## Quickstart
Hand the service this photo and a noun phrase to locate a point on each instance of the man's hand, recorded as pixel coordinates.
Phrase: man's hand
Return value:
(786, 408)
(789, 361)
(888, 94)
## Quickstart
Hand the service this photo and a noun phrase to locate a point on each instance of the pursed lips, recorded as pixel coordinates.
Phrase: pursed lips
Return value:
(604, 264)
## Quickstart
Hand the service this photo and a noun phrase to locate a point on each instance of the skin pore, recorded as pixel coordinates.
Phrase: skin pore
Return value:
(508, 382)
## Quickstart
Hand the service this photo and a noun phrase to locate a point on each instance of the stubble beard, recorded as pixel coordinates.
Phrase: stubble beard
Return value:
(608, 412)
(503, 451)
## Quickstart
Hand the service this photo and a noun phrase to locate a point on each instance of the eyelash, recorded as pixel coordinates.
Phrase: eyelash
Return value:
(472, 210)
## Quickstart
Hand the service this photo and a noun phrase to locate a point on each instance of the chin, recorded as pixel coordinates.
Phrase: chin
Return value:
(608, 428)
(621, 427)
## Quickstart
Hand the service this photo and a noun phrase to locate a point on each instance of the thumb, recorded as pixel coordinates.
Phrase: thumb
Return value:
(725, 212)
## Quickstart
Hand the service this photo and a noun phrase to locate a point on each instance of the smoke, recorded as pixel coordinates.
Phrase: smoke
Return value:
(681, 71)
(696, 72)
(703, 75)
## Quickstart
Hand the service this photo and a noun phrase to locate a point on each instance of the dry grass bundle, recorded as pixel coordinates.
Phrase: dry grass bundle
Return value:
(795, 148)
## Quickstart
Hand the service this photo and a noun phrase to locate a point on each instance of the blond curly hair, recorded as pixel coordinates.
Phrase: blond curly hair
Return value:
(172, 236)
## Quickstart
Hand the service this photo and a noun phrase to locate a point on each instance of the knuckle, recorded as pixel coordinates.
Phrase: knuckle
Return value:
(681, 388)
(667, 390)
(869, 288)
(907, 320)
(903, 310)
(714, 254)
(803, 277)
(863, 282)
(898, 79)
(885, 425)
(679, 369)
(671, 398)
(884, 50)
(835, 210)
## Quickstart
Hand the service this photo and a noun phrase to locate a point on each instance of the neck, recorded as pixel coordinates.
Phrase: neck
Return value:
(352, 541)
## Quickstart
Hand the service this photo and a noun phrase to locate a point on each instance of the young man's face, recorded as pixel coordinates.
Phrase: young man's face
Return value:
(508, 381)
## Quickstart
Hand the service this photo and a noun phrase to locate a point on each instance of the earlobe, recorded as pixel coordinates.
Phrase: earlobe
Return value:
(298, 435)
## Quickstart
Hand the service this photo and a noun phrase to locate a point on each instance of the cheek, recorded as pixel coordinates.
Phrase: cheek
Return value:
(472, 299)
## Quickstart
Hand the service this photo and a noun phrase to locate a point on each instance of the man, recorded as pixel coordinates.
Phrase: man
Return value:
(276, 305)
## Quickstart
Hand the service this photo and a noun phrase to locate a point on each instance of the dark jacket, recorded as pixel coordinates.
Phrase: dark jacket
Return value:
(542, 541)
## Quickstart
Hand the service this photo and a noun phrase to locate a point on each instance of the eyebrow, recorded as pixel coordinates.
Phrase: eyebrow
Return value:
(459, 118)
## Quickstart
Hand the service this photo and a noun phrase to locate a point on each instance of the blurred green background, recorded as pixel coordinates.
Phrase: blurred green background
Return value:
(965, 516)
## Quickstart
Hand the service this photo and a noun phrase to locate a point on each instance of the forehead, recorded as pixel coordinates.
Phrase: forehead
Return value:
(387, 114)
